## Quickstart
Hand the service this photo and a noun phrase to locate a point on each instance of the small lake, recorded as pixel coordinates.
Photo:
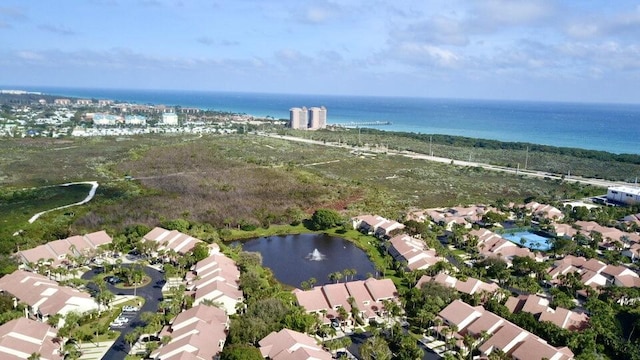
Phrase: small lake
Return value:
(293, 260)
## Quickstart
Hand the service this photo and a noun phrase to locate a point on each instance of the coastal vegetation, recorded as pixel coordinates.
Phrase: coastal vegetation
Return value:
(220, 188)
(556, 160)
(229, 182)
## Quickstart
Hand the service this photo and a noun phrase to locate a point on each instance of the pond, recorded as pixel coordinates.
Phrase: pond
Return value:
(296, 258)
(531, 240)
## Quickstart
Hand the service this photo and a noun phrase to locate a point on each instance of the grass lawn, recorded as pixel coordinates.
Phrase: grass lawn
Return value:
(235, 234)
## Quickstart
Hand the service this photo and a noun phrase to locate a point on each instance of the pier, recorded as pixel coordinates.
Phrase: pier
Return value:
(357, 124)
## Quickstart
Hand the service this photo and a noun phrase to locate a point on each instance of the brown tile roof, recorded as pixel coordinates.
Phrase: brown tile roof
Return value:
(504, 338)
(174, 240)
(460, 313)
(368, 296)
(44, 294)
(381, 289)
(336, 295)
(534, 304)
(199, 331)
(283, 344)
(488, 322)
(99, 238)
(27, 336)
(534, 348)
(312, 300)
(59, 249)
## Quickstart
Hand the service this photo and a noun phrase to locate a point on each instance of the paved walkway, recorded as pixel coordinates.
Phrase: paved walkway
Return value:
(92, 193)
(91, 351)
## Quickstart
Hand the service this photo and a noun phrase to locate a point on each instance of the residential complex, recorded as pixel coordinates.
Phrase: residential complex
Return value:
(368, 296)
(197, 333)
(62, 251)
(44, 296)
(493, 333)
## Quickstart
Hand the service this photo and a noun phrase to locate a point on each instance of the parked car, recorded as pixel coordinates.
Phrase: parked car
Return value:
(112, 280)
(129, 308)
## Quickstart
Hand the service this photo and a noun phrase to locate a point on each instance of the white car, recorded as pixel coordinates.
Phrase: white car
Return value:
(116, 323)
(129, 308)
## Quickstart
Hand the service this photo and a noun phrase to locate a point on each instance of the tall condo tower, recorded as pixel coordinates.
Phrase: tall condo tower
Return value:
(317, 118)
(298, 118)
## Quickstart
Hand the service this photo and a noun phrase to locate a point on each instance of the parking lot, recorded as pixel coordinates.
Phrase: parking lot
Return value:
(123, 319)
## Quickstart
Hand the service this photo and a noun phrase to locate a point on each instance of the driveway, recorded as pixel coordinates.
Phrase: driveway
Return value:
(152, 295)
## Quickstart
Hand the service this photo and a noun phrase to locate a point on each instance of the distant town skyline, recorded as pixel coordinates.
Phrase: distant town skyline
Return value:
(583, 51)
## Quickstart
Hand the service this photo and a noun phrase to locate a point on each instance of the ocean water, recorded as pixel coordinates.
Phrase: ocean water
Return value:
(608, 127)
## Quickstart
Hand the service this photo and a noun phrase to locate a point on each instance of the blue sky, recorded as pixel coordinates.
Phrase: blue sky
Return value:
(585, 50)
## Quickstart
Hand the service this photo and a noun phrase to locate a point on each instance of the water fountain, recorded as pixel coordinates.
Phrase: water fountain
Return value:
(315, 255)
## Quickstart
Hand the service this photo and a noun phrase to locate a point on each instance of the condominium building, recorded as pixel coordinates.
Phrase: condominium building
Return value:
(308, 119)
(298, 118)
(317, 118)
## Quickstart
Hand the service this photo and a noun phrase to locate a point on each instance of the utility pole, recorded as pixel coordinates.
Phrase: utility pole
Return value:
(430, 141)
(526, 158)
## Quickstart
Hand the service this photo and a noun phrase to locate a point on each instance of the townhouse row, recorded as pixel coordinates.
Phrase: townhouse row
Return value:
(368, 296)
(491, 333)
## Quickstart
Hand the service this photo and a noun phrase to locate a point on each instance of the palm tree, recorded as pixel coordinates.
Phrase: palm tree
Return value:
(343, 315)
(376, 348)
(335, 276)
(469, 344)
(437, 322)
(346, 273)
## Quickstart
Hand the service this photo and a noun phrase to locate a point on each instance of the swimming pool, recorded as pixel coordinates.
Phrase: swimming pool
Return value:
(531, 240)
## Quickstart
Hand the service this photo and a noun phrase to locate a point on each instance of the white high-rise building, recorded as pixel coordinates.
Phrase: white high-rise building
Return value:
(298, 118)
(169, 119)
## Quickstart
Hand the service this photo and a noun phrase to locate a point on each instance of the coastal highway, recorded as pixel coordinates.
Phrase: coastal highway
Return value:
(413, 155)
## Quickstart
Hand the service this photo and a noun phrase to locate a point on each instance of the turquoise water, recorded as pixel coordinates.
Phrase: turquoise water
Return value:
(532, 241)
(608, 127)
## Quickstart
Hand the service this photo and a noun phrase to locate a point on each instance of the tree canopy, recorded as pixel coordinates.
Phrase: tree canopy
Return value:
(323, 219)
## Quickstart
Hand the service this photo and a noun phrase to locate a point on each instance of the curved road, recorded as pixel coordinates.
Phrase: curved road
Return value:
(92, 193)
(152, 295)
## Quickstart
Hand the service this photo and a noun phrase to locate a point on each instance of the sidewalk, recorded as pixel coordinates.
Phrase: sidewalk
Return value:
(121, 299)
(92, 352)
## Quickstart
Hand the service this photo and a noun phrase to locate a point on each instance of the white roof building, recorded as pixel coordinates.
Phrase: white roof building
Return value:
(44, 296)
(20, 338)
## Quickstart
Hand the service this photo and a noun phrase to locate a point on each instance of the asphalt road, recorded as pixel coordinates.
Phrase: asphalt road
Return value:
(152, 294)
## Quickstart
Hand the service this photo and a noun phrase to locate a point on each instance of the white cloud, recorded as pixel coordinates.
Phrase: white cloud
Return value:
(622, 24)
(439, 30)
(317, 12)
(494, 14)
(426, 55)
(30, 56)
(57, 29)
